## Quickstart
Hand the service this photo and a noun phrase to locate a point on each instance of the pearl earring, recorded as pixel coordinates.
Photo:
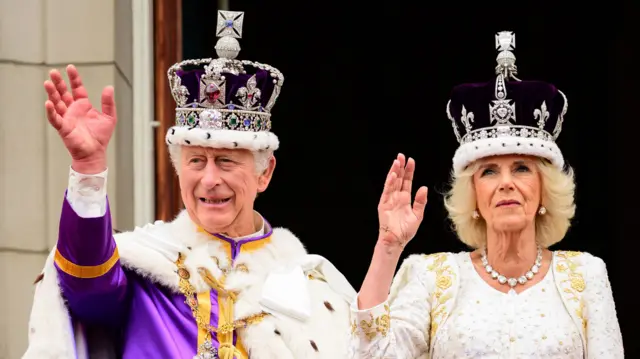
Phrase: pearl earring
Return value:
(475, 214)
(542, 210)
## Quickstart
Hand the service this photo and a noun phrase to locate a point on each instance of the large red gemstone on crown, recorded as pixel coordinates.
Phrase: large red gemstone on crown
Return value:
(212, 92)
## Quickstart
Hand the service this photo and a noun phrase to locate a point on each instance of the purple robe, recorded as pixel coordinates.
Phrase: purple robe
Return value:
(155, 322)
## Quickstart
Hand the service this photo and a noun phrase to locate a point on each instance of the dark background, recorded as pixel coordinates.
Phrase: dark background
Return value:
(363, 83)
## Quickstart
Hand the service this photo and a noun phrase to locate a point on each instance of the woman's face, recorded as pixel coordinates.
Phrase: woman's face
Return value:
(508, 191)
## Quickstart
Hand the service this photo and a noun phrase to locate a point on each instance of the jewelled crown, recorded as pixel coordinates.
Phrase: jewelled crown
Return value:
(506, 115)
(224, 102)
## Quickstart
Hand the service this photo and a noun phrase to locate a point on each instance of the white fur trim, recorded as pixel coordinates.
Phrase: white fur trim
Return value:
(254, 141)
(507, 145)
(51, 335)
(151, 252)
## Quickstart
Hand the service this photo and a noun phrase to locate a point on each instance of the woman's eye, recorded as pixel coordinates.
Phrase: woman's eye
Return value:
(487, 171)
(522, 168)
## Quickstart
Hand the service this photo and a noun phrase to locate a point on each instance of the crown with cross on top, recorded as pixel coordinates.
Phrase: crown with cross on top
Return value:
(224, 94)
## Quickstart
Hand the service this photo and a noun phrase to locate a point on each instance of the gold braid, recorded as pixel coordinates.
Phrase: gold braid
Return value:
(227, 324)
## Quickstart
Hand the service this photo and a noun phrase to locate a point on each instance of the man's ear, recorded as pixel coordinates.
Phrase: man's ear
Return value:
(265, 177)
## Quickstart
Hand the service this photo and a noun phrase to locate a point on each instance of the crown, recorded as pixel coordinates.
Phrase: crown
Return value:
(506, 115)
(224, 102)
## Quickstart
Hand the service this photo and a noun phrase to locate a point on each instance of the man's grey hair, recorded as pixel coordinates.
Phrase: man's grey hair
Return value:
(261, 158)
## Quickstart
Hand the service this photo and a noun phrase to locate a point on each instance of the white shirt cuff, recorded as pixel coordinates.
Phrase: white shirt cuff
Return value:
(87, 194)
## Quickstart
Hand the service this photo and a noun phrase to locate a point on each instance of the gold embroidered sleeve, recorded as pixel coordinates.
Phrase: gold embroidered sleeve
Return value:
(604, 339)
(398, 327)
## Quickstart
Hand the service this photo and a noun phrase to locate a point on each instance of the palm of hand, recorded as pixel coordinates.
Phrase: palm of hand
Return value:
(84, 130)
(399, 220)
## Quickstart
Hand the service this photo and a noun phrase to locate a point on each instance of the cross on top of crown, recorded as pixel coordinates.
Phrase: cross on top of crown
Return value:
(505, 41)
(230, 24)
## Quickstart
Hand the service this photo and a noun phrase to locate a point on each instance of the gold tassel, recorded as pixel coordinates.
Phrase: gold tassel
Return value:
(227, 350)
(215, 283)
(225, 322)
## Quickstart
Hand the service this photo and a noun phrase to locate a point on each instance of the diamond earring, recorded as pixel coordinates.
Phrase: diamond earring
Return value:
(542, 210)
(475, 214)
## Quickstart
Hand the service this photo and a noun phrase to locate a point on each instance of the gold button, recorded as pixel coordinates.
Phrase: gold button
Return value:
(512, 339)
(544, 337)
(183, 273)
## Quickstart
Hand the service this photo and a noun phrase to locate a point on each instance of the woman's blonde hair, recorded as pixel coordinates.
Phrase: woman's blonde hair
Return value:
(557, 189)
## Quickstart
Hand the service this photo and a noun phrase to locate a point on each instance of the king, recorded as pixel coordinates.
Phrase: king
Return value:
(216, 282)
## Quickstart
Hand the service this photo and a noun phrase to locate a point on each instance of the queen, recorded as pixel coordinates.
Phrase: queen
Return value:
(511, 198)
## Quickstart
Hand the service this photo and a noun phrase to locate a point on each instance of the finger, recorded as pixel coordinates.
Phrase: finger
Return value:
(420, 202)
(54, 97)
(388, 187)
(61, 87)
(399, 172)
(77, 88)
(408, 175)
(54, 119)
(108, 102)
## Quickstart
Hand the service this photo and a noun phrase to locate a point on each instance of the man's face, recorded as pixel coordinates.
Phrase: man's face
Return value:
(219, 187)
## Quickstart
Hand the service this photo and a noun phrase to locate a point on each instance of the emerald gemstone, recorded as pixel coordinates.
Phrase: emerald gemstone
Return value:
(233, 120)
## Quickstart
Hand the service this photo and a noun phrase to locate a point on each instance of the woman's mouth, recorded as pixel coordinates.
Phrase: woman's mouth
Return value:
(508, 203)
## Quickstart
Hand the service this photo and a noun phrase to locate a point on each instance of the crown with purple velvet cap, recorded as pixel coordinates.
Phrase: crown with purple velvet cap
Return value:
(506, 115)
(224, 102)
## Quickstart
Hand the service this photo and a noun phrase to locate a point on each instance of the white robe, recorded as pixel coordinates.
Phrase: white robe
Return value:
(429, 302)
(151, 251)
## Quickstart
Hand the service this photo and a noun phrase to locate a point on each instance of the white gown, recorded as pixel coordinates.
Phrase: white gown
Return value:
(488, 323)
(439, 307)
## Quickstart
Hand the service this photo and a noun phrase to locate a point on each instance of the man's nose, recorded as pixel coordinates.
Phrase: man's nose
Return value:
(211, 176)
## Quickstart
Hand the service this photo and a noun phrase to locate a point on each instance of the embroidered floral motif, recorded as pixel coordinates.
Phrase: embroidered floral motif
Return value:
(376, 325)
(444, 278)
(575, 280)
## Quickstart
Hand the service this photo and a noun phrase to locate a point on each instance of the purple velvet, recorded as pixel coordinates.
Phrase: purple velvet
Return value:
(527, 95)
(157, 322)
(85, 251)
(237, 245)
(160, 324)
(191, 80)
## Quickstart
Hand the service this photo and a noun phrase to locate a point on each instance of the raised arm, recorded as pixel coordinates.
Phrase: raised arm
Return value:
(604, 339)
(393, 326)
(90, 276)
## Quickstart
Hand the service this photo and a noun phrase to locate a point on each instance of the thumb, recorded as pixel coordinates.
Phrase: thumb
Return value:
(420, 202)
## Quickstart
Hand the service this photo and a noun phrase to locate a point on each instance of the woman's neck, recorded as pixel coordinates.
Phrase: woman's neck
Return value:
(512, 253)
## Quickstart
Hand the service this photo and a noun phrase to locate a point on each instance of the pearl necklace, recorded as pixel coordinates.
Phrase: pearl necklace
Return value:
(512, 282)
